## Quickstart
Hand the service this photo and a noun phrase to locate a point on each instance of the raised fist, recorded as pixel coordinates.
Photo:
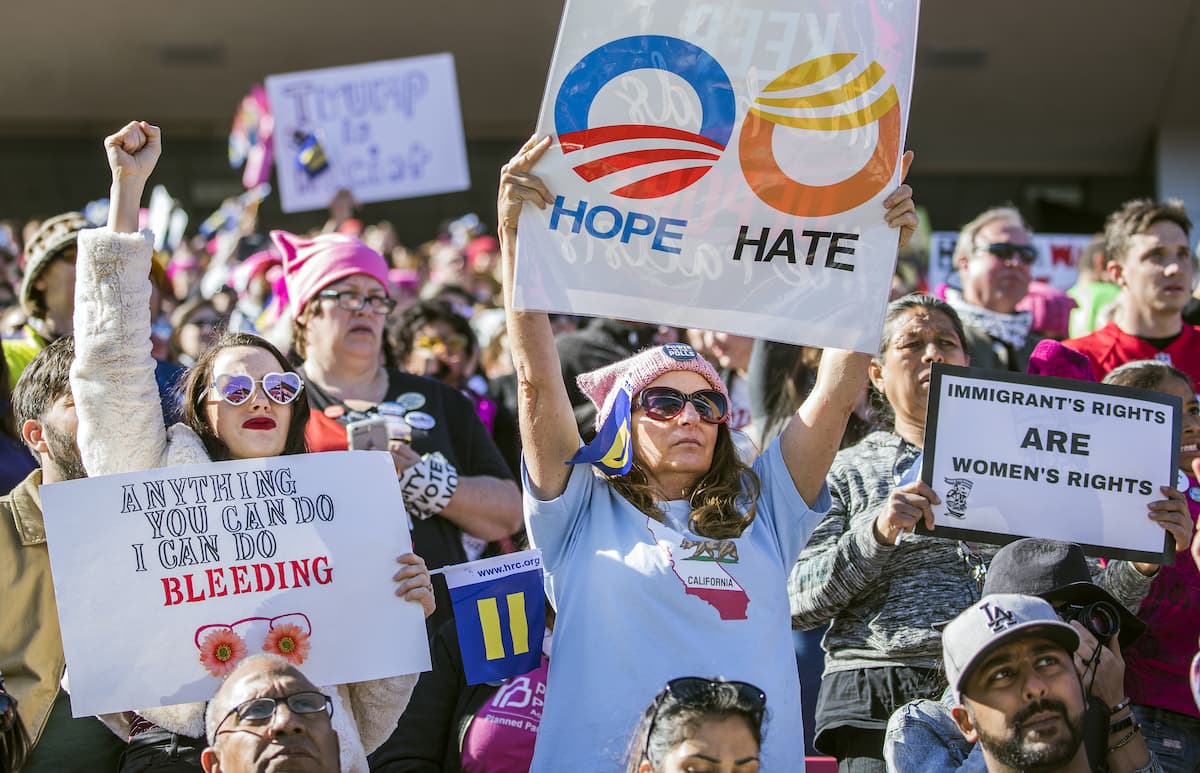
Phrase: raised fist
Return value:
(134, 150)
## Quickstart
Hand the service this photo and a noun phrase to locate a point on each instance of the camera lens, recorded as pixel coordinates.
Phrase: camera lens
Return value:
(1101, 619)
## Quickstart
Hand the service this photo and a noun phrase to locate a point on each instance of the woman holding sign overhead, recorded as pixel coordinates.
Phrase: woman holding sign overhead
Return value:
(240, 403)
(881, 587)
(675, 560)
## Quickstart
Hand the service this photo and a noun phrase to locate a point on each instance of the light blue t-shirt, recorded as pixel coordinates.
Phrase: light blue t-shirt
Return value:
(640, 603)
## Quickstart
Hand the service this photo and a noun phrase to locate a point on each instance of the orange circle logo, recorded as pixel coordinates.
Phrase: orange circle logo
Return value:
(779, 190)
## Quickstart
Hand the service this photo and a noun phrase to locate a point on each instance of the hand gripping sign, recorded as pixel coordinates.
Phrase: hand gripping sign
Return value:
(722, 166)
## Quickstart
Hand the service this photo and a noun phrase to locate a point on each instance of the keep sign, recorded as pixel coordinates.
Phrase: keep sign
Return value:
(723, 165)
(1026, 456)
(166, 579)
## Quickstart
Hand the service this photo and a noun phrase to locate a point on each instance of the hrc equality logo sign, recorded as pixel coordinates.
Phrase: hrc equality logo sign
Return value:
(689, 155)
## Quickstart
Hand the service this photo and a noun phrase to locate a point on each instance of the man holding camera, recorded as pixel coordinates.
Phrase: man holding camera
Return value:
(923, 735)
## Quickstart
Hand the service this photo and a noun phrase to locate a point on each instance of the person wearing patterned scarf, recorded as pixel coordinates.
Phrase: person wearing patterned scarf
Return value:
(994, 257)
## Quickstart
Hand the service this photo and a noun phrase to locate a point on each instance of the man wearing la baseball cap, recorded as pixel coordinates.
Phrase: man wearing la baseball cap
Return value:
(1009, 660)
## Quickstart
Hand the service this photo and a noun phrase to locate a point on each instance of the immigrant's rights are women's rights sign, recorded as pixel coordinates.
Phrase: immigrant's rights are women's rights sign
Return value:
(1014, 456)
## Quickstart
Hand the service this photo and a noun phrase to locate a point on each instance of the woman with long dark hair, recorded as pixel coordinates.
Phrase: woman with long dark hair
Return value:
(881, 587)
(680, 564)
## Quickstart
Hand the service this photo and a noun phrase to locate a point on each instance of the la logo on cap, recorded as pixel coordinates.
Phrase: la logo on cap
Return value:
(999, 618)
(679, 351)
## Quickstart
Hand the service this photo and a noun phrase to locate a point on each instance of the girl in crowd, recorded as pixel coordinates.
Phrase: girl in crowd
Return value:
(432, 339)
(455, 483)
(634, 608)
(240, 403)
(697, 724)
(1156, 665)
(195, 327)
(882, 587)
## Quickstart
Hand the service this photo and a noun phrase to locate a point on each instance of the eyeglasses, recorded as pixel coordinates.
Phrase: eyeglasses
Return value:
(259, 711)
(453, 344)
(1005, 251)
(380, 304)
(665, 403)
(281, 388)
(698, 691)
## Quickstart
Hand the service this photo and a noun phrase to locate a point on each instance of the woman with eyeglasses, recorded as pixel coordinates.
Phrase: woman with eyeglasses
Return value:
(240, 402)
(882, 588)
(678, 563)
(458, 490)
(696, 724)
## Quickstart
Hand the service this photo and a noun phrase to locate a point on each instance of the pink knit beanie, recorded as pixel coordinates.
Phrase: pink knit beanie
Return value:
(1050, 358)
(641, 369)
(309, 265)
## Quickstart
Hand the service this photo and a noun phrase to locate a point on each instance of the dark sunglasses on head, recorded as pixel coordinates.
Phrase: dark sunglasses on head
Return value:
(257, 711)
(1026, 253)
(281, 388)
(665, 403)
(698, 691)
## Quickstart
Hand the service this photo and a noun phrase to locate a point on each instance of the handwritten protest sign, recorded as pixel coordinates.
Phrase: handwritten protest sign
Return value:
(384, 130)
(1057, 262)
(723, 165)
(1026, 456)
(165, 579)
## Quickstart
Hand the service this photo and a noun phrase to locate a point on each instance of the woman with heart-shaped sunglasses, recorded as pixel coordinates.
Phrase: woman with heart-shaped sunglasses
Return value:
(241, 400)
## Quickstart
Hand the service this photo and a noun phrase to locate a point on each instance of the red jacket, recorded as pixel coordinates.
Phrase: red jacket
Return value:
(1110, 347)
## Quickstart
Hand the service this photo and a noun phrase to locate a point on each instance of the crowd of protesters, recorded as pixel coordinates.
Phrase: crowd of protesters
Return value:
(795, 466)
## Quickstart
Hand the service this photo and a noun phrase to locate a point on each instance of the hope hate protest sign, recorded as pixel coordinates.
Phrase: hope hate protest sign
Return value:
(384, 130)
(723, 165)
(1026, 456)
(166, 579)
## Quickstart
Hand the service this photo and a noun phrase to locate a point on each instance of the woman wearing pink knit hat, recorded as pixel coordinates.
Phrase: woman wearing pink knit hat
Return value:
(458, 491)
(675, 559)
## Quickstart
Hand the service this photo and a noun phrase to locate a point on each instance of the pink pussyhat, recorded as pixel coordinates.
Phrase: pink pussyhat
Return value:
(310, 265)
(1050, 358)
(641, 369)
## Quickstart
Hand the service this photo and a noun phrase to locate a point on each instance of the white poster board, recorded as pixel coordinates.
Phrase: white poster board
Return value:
(723, 166)
(389, 130)
(1016, 456)
(166, 578)
(1057, 262)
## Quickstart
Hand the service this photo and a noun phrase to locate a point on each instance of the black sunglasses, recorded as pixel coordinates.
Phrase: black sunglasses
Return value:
(665, 403)
(697, 691)
(1027, 253)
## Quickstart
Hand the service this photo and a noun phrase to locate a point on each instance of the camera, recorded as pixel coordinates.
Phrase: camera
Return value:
(1101, 618)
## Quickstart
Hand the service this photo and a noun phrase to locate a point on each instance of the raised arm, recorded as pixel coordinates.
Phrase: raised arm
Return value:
(112, 378)
(811, 437)
(549, 435)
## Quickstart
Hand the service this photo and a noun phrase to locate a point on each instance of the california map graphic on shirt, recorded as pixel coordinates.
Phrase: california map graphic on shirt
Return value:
(698, 563)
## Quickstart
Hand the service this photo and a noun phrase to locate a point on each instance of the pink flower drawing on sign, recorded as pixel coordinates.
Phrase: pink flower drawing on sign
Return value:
(221, 650)
(288, 641)
(224, 644)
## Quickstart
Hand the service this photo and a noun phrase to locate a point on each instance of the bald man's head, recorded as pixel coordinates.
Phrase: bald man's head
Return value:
(269, 717)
